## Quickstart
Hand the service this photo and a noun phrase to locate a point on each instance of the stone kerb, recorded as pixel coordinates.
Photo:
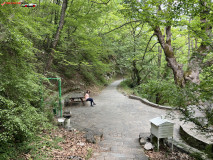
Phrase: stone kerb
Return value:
(145, 101)
(181, 146)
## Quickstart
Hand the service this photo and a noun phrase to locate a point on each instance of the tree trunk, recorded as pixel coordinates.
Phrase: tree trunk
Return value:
(170, 58)
(196, 61)
(195, 43)
(56, 12)
(192, 45)
(189, 44)
(158, 74)
(57, 35)
(159, 60)
(136, 72)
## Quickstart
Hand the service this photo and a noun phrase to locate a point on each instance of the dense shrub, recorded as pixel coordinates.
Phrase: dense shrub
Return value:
(19, 125)
(126, 84)
(162, 92)
(165, 91)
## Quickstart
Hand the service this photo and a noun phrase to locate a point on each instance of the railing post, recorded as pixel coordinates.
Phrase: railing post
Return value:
(42, 99)
(60, 104)
(59, 96)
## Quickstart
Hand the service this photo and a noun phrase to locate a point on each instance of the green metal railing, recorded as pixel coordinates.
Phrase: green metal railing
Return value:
(59, 92)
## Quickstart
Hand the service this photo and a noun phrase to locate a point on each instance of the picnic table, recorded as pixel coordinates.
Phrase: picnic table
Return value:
(74, 97)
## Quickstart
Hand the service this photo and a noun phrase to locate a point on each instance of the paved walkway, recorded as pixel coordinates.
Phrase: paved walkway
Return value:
(120, 119)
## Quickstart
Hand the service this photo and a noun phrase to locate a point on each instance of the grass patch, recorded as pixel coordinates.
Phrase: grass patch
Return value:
(89, 153)
(40, 147)
(125, 87)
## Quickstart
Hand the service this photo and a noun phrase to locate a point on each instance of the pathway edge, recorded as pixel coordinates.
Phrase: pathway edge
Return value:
(145, 101)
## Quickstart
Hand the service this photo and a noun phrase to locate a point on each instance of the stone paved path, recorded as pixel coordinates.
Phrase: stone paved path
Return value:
(120, 119)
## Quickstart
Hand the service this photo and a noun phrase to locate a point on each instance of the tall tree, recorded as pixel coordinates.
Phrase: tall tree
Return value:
(57, 35)
(196, 62)
(168, 14)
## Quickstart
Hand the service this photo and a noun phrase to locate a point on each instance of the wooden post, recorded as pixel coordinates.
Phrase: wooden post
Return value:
(158, 143)
(172, 144)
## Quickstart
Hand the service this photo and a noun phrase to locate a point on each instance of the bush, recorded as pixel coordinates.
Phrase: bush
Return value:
(126, 84)
(166, 93)
(19, 125)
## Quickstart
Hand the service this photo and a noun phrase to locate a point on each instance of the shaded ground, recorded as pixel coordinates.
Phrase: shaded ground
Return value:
(120, 119)
(73, 146)
(165, 155)
(60, 144)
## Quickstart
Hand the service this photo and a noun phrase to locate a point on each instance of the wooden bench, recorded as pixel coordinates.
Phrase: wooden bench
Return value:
(74, 97)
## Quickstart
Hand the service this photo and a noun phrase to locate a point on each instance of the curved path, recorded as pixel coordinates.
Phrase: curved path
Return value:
(120, 119)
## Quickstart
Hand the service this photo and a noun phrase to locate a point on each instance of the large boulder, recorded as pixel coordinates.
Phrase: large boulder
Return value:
(93, 136)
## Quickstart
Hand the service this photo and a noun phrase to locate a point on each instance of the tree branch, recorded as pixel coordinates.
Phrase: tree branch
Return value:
(121, 26)
(208, 63)
(145, 75)
(75, 28)
(198, 33)
(147, 47)
(57, 35)
(89, 9)
(105, 3)
(147, 63)
(154, 45)
(140, 31)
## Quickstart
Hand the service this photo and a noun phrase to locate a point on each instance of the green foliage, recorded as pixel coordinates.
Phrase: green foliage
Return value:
(206, 85)
(20, 116)
(19, 125)
(89, 153)
(87, 50)
(197, 156)
(208, 151)
(166, 91)
(126, 86)
(162, 92)
(41, 147)
(26, 40)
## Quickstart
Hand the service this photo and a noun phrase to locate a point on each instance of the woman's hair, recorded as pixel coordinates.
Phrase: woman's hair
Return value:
(87, 91)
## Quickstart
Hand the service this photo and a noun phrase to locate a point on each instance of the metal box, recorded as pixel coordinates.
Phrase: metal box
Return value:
(161, 128)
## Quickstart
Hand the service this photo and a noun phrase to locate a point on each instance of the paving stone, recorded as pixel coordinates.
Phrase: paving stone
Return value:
(110, 158)
(93, 136)
(120, 119)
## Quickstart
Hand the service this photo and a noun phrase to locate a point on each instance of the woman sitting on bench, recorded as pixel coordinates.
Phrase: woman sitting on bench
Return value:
(89, 99)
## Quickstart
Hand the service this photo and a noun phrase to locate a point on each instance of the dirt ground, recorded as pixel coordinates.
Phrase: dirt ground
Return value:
(74, 146)
(166, 154)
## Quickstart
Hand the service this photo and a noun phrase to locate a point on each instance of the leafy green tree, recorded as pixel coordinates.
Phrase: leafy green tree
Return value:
(169, 22)
(20, 113)
(168, 14)
(29, 41)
